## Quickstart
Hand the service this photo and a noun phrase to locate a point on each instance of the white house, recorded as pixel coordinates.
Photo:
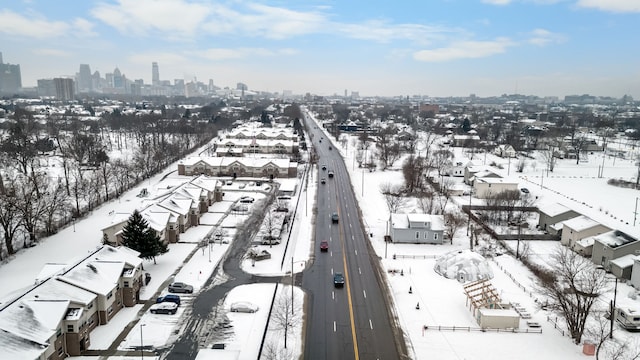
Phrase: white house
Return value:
(417, 228)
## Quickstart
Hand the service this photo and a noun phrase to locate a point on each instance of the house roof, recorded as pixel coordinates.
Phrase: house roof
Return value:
(54, 289)
(48, 270)
(178, 204)
(99, 277)
(553, 209)
(580, 223)
(249, 162)
(33, 320)
(401, 221)
(205, 182)
(16, 347)
(625, 261)
(122, 253)
(615, 238)
(492, 180)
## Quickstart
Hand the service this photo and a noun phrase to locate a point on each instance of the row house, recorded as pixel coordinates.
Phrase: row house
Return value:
(54, 318)
(238, 167)
(185, 210)
(263, 134)
(258, 146)
(158, 219)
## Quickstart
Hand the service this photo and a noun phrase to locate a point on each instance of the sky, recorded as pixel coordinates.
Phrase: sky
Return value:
(434, 48)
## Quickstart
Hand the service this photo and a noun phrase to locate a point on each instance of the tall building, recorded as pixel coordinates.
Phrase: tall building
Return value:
(10, 78)
(46, 87)
(64, 88)
(155, 74)
(84, 81)
(118, 79)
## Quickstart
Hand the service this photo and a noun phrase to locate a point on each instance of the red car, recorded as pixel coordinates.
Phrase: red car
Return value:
(324, 245)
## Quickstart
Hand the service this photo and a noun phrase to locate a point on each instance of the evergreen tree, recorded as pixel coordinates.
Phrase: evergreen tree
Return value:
(137, 235)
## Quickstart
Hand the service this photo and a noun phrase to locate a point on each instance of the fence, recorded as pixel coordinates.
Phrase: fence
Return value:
(479, 329)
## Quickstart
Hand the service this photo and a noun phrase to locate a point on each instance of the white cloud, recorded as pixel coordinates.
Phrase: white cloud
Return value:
(12, 23)
(618, 6)
(464, 50)
(542, 37)
(242, 53)
(83, 28)
(266, 21)
(177, 17)
(497, 2)
(51, 52)
(381, 31)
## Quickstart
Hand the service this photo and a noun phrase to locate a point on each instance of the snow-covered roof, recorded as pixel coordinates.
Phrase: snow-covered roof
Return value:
(625, 261)
(205, 182)
(33, 320)
(16, 347)
(49, 270)
(401, 221)
(54, 289)
(553, 209)
(226, 161)
(615, 238)
(99, 277)
(492, 180)
(580, 223)
(178, 204)
(122, 253)
(157, 217)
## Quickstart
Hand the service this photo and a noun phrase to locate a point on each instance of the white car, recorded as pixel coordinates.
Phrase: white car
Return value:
(164, 308)
(244, 306)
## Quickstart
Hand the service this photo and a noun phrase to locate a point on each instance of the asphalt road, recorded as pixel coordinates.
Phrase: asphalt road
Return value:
(354, 322)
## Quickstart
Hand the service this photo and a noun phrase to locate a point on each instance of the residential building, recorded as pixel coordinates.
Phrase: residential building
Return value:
(490, 186)
(64, 89)
(579, 228)
(417, 228)
(552, 214)
(615, 245)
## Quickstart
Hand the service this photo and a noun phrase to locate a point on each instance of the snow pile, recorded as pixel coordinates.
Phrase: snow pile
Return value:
(463, 265)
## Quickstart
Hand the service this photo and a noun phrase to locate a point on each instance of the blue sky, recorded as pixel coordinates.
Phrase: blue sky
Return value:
(375, 47)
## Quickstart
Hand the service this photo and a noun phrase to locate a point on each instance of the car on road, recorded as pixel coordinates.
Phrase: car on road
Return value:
(244, 307)
(169, 298)
(335, 218)
(330, 148)
(323, 181)
(180, 287)
(324, 167)
(330, 173)
(247, 200)
(525, 190)
(324, 245)
(338, 280)
(164, 308)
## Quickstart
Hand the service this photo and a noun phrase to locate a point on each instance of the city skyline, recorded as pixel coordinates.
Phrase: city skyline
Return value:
(439, 48)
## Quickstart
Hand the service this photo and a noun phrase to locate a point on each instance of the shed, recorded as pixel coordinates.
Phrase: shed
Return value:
(553, 213)
(498, 318)
(621, 267)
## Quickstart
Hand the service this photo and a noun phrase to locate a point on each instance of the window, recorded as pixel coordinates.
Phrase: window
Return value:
(59, 332)
(126, 284)
(417, 234)
(90, 306)
(110, 310)
(426, 235)
(109, 295)
(435, 236)
(60, 351)
(69, 328)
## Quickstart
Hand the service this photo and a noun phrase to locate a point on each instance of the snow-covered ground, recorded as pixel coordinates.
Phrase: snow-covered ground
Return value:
(441, 301)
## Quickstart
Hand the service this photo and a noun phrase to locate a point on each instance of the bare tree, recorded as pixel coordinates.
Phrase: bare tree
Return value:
(426, 201)
(571, 286)
(388, 147)
(442, 159)
(549, 157)
(413, 169)
(452, 222)
(283, 315)
(393, 196)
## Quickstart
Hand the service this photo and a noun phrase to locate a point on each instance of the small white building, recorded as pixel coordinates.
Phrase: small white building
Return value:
(580, 227)
(498, 318)
(489, 186)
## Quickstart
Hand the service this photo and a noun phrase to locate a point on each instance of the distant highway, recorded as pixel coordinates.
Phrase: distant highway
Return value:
(353, 322)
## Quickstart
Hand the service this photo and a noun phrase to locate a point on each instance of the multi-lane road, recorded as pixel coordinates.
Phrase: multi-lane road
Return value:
(356, 321)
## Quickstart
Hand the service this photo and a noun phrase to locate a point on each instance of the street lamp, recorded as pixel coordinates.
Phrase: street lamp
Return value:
(141, 342)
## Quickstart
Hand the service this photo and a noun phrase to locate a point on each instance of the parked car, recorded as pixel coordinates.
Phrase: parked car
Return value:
(330, 174)
(323, 181)
(244, 306)
(180, 287)
(324, 245)
(525, 190)
(338, 280)
(247, 200)
(335, 218)
(169, 298)
(164, 308)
